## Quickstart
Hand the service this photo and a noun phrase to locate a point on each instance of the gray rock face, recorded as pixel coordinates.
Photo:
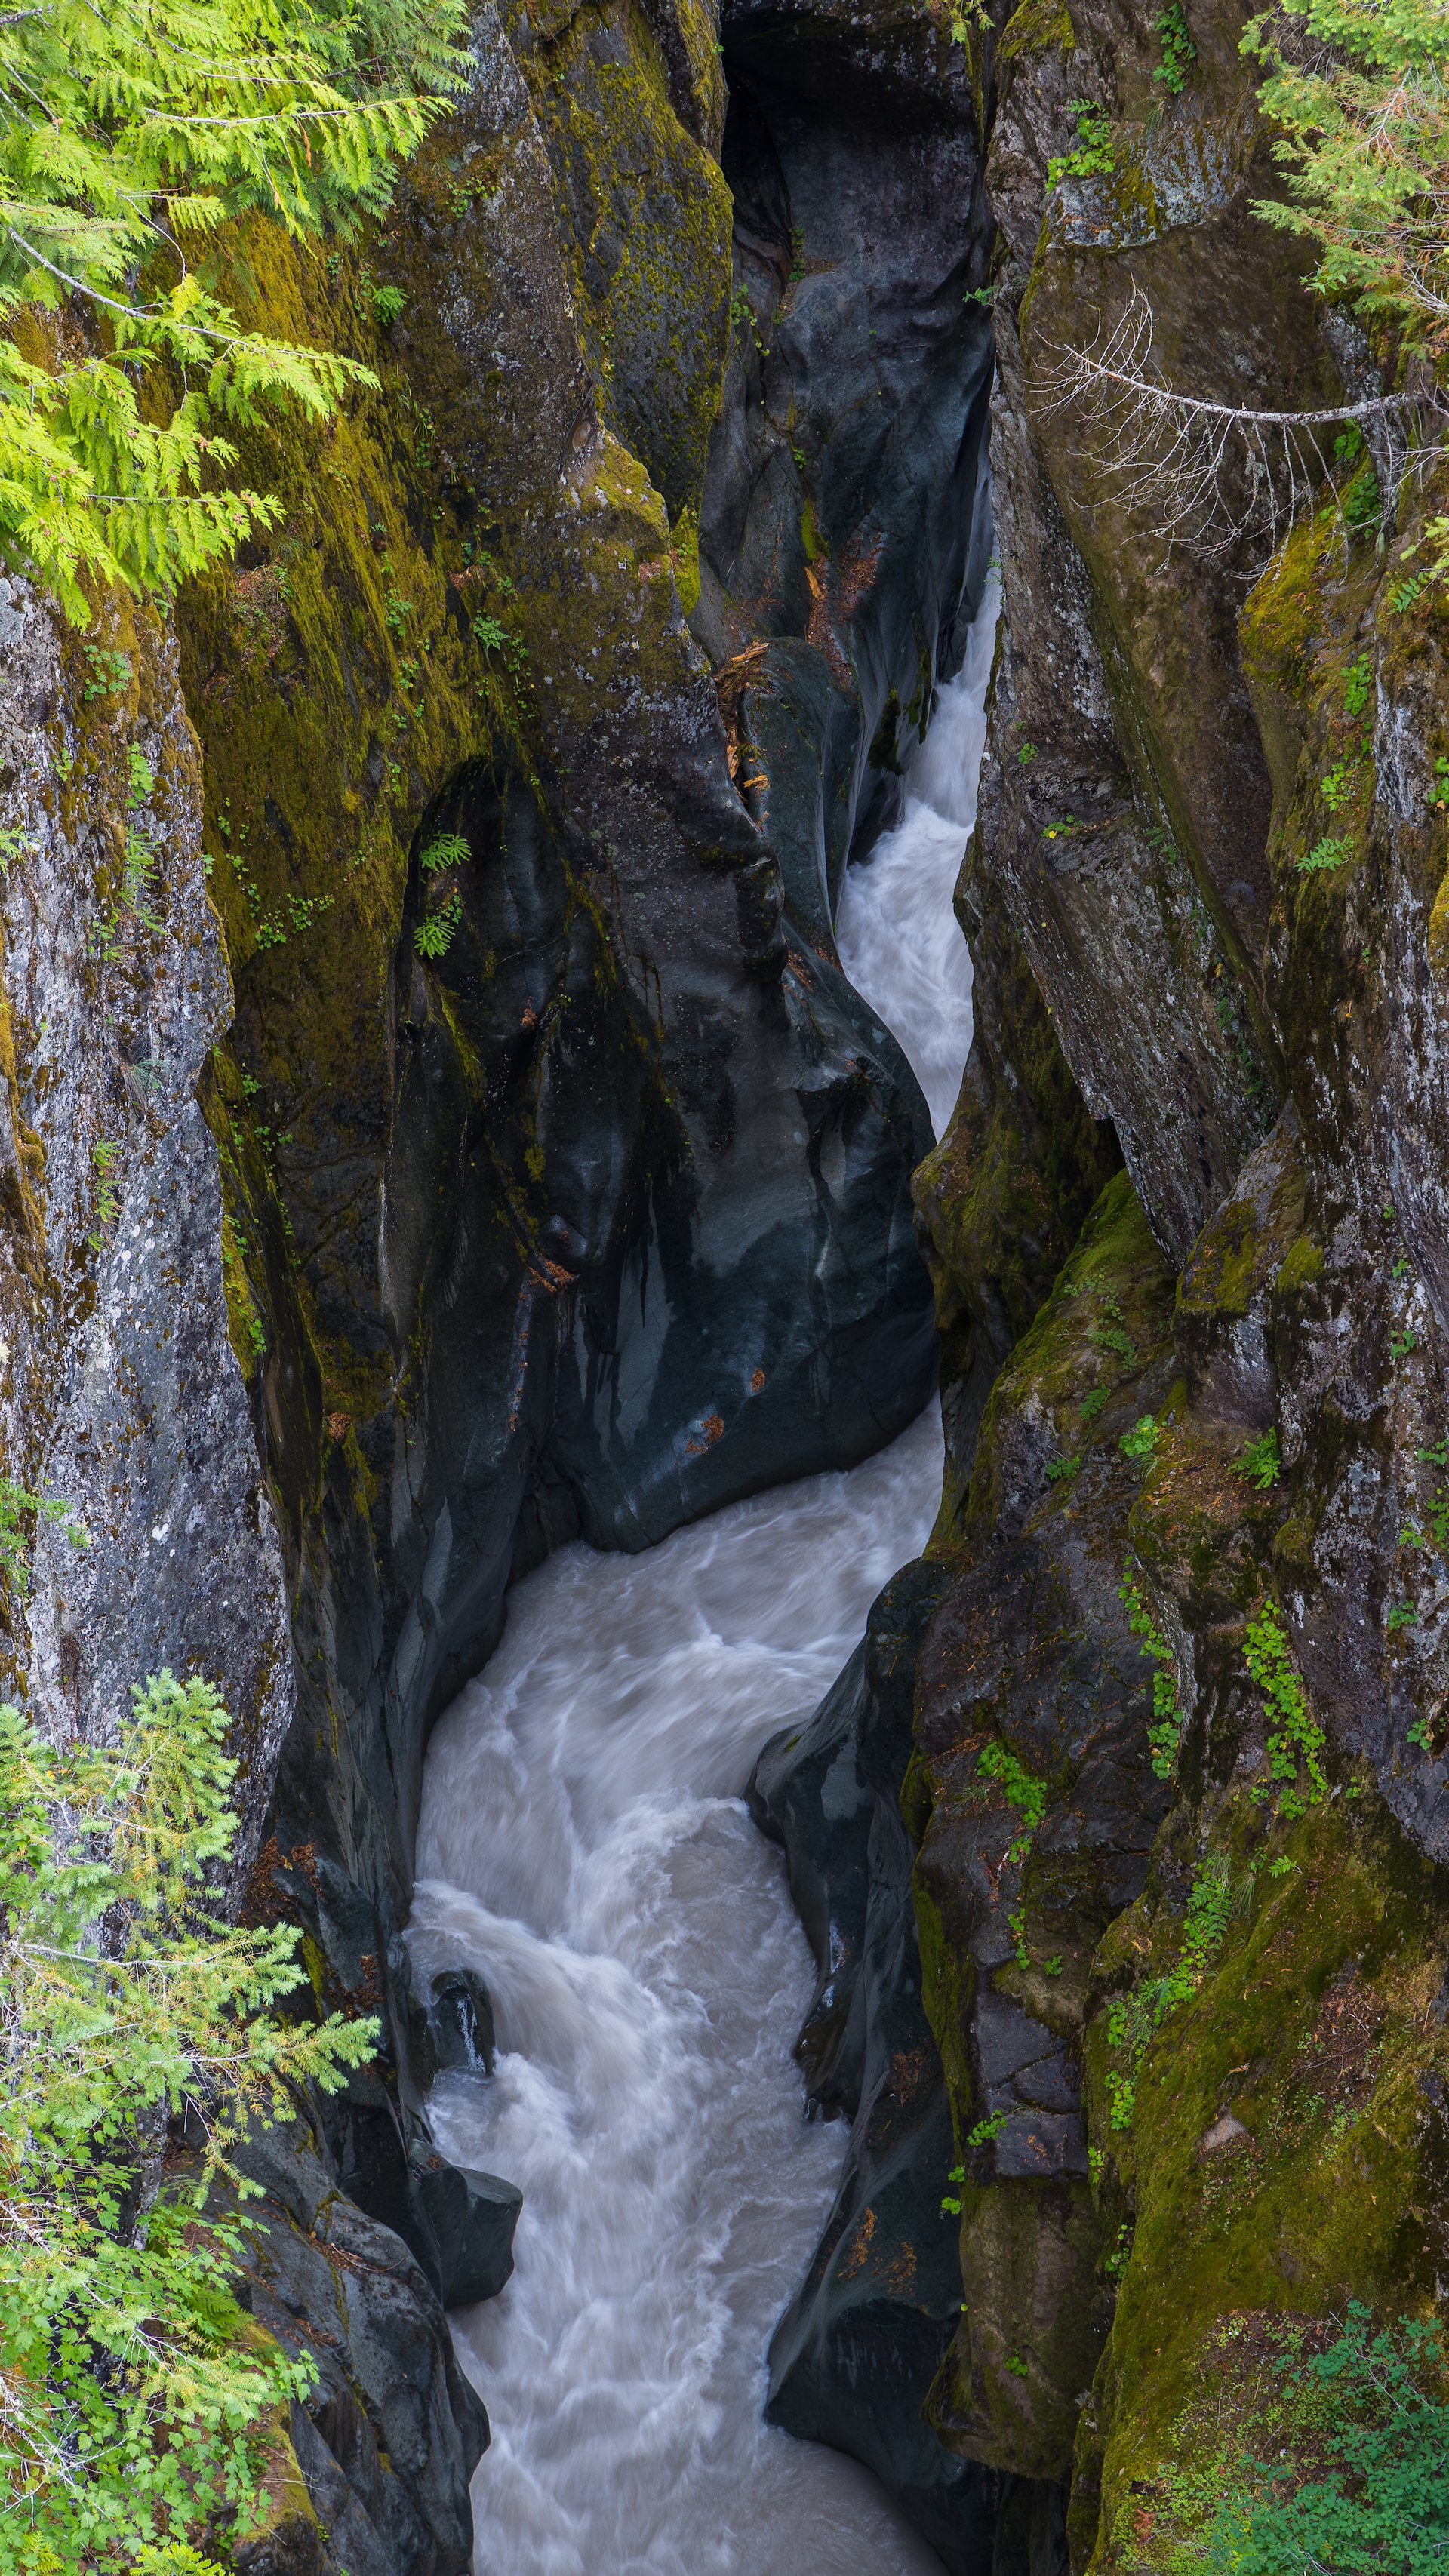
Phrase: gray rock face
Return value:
(119, 1390)
(122, 1395)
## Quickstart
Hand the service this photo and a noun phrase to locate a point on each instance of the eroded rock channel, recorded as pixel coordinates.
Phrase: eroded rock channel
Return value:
(498, 1153)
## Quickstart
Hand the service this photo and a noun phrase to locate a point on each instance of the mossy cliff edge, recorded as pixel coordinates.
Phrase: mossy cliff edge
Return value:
(1177, 1789)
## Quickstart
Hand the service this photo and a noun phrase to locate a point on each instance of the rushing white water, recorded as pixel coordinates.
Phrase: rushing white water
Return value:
(583, 1845)
(899, 940)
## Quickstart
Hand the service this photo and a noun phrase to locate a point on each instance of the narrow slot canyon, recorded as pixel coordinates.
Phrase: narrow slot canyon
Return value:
(584, 1850)
(724, 1275)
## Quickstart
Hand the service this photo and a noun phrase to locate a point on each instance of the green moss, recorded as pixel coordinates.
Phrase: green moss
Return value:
(1034, 27)
(1302, 1265)
(1106, 1315)
(1004, 1195)
(648, 219)
(1312, 2033)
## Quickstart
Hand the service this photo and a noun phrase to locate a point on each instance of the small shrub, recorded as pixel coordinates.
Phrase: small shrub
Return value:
(1020, 1788)
(445, 850)
(1357, 681)
(1141, 1441)
(137, 2045)
(1091, 157)
(1179, 53)
(1375, 2432)
(1165, 1733)
(1260, 1462)
(16, 1507)
(1326, 853)
(1293, 1731)
(1134, 2018)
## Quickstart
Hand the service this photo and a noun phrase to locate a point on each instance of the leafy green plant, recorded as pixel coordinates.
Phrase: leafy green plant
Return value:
(444, 850)
(1403, 1615)
(1400, 1344)
(1325, 854)
(387, 303)
(1091, 156)
(1294, 1733)
(1259, 1461)
(1134, 2018)
(1141, 1441)
(1061, 1469)
(1026, 754)
(1017, 2366)
(110, 673)
(1165, 1733)
(17, 1506)
(1336, 788)
(1357, 681)
(1374, 2431)
(128, 136)
(138, 2041)
(1179, 53)
(1020, 1788)
(986, 2131)
(1092, 1404)
(105, 1154)
(434, 934)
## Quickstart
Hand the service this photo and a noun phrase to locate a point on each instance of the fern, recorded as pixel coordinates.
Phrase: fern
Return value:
(129, 136)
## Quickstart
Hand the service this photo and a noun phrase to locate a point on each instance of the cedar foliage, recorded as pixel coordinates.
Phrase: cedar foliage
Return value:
(137, 2043)
(1357, 90)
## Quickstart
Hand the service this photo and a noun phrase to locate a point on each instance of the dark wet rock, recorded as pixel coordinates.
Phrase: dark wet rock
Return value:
(389, 2435)
(855, 2355)
(836, 537)
(818, 1790)
(472, 2217)
(452, 2031)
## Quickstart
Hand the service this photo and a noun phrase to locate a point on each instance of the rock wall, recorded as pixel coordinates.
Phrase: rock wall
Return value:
(1178, 1887)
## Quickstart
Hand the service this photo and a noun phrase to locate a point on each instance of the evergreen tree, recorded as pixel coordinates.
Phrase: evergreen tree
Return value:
(137, 2042)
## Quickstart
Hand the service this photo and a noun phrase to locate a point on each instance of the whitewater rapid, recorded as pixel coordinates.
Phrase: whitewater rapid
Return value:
(583, 1845)
(897, 935)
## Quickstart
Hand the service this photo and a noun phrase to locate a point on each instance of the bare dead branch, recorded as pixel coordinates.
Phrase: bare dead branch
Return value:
(1215, 476)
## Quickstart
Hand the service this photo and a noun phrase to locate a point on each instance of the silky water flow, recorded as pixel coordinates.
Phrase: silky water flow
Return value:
(583, 1845)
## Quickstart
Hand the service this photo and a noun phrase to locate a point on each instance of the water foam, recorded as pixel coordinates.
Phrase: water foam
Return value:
(583, 1845)
(898, 937)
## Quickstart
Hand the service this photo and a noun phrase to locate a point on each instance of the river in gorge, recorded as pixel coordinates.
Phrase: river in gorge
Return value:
(584, 1846)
